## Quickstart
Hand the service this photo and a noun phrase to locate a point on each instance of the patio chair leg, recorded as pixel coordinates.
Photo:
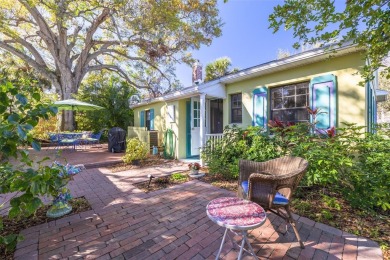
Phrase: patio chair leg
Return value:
(294, 226)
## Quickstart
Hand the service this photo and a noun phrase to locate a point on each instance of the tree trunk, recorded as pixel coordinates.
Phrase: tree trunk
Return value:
(68, 89)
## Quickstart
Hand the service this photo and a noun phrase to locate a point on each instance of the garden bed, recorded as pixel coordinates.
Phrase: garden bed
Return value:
(14, 226)
(151, 160)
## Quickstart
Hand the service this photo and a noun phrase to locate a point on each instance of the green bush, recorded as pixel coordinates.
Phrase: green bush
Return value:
(369, 180)
(222, 155)
(346, 159)
(20, 110)
(113, 94)
(135, 150)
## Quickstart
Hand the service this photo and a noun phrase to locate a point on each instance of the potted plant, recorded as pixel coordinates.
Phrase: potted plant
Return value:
(61, 195)
(194, 168)
(136, 150)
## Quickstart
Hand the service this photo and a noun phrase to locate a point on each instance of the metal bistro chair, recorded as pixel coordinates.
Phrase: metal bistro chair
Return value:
(271, 184)
(95, 139)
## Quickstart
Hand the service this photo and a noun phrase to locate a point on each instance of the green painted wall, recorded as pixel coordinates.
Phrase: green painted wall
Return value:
(178, 126)
(162, 123)
(351, 97)
(159, 116)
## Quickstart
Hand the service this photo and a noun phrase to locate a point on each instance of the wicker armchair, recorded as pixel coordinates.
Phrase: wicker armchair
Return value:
(271, 184)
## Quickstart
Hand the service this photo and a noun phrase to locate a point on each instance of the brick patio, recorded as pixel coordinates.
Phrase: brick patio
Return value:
(126, 223)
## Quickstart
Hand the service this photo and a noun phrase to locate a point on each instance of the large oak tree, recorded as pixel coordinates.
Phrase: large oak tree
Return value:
(64, 40)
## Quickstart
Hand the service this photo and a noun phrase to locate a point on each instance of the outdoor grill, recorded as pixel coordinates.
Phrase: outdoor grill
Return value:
(116, 140)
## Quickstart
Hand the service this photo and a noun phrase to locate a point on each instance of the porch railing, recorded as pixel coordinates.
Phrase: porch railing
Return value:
(213, 139)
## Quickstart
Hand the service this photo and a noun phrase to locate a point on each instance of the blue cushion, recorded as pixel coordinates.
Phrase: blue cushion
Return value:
(245, 186)
(279, 198)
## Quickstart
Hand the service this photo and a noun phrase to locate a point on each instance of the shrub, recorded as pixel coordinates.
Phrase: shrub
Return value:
(20, 110)
(222, 155)
(110, 92)
(351, 161)
(135, 150)
(261, 147)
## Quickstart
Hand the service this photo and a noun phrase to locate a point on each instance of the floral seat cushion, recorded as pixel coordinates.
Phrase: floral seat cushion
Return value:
(279, 198)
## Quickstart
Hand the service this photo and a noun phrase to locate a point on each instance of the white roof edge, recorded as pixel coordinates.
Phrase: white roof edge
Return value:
(269, 67)
(284, 63)
(187, 92)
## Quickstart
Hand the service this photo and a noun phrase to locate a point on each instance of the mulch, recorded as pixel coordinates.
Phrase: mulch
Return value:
(14, 226)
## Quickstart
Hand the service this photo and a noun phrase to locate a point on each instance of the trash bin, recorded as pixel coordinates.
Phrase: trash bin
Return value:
(116, 140)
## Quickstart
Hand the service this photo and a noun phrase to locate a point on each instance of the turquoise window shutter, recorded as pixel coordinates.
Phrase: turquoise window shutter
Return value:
(323, 95)
(152, 119)
(142, 119)
(260, 107)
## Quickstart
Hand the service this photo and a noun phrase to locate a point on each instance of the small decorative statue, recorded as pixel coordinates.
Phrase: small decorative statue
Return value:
(60, 205)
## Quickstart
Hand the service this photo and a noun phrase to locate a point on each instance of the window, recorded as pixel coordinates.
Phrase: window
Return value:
(236, 108)
(196, 113)
(288, 103)
(147, 119)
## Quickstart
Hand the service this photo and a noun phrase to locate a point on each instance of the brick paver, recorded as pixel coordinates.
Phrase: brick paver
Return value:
(126, 223)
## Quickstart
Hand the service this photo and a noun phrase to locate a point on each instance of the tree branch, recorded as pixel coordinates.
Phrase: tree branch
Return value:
(116, 69)
(29, 46)
(89, 43)
(41, 69)
(45, 32)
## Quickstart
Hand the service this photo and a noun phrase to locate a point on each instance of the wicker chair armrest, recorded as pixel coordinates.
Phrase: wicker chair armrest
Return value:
(260, 176)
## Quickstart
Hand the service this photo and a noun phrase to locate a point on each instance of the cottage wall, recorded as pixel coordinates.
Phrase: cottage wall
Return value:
(350, 98)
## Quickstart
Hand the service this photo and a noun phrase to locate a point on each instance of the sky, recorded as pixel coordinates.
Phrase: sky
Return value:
(245, 39)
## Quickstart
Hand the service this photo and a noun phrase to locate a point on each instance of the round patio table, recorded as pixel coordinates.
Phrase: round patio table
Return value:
(236, 214)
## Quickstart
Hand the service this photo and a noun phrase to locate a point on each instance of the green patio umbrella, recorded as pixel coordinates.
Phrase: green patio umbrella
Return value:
(75, 105)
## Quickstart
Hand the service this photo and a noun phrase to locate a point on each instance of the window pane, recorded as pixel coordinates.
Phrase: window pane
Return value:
(301, 89)
(277, 103)
(301, 101)
(302, 115)
(289, 91)
(289, 102)
(236, 108)
(277, 115)
(289, 115)
(276, 93)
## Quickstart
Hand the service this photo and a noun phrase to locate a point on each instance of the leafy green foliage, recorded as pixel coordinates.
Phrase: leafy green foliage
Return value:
(21, 109)
(222, 156)
(218, 68)
(110, 92)
(365, 23)
(351, 161)
(19, 114)
(178, 177)
(135, 150)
